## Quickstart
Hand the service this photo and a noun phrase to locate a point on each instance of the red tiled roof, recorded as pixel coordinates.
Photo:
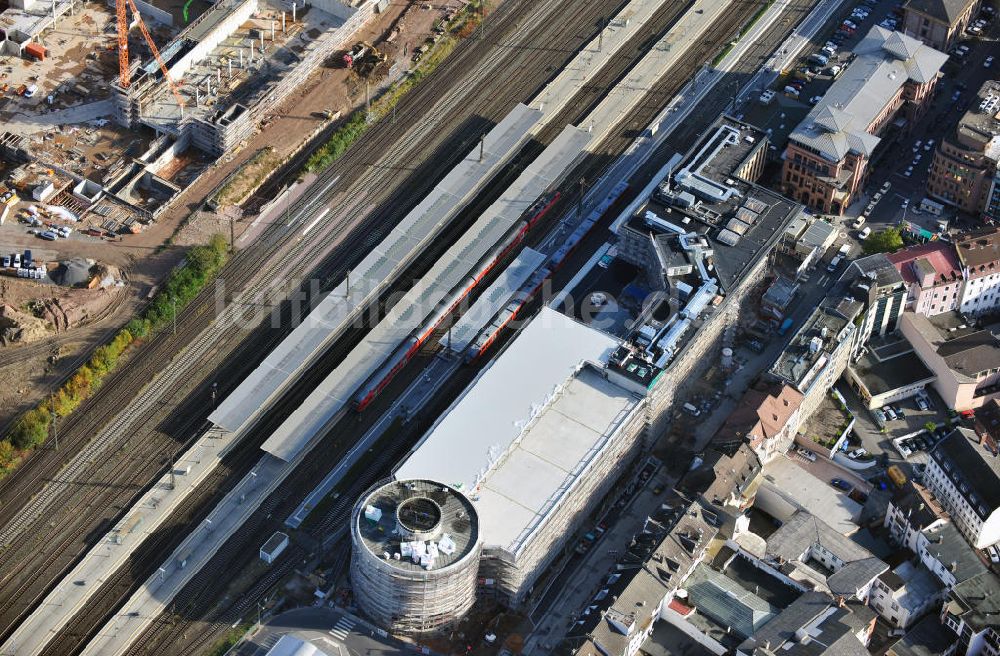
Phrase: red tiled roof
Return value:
(677, 606)
(941, 256)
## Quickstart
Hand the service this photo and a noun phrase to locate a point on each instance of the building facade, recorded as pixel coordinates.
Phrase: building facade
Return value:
(938, 23)
(964, 167)
(965, 361)
(933, 277)
(963, 473)
(767, 418)
(818, 353)
(979, 255)
(826, 160)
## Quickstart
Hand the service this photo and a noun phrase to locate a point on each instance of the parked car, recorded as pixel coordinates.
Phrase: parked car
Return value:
(889, 412)
(922, 403)
(898, 409)
(6, 261)
(48, 235)
(994, 554)
(807, 454)
(858, 222)
(864, 232)
(988, 62)
(840, 484)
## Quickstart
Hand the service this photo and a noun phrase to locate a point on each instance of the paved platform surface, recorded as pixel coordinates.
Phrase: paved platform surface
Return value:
(330, 630)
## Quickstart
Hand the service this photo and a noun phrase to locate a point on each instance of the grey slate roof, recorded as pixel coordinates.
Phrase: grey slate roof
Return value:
(885, 61)
(948, 547)
(928, 637)
(946, 11)
(830, 633)
(794, 540)
(973, 463)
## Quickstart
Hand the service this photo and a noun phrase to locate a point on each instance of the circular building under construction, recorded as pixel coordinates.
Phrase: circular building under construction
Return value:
(415, 555)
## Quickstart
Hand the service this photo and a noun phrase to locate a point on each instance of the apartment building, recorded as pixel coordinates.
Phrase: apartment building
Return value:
(973, 613)
(634, 600)
(875, 282)
(767, 417)
(819, 352)
(963, 473)
(938, 23)
(826, 161)
(964, 359)
(979, 255)
(965, 161)
(905, 594)
(933, 277)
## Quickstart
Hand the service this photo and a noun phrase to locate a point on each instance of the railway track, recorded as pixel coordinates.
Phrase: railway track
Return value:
(121, 479)
(204, 615)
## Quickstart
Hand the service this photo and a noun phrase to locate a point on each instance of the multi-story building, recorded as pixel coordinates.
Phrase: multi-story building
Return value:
(938, 23)
(905, 594)
(535, 442)
(724, 227)
(627, 610)
(815, 623)
(965, 161)
(933, 277)
(979, 255)
(876, 283)
(813, 554)
(964, 360)
(725, 484)
(973, 613)
(767, 418)
(991, 214)
(963, 473)
(826, 160)
(819, 352)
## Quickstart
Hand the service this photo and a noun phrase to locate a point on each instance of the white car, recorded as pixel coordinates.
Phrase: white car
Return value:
(864, 232)
(858, 222)
(807, 454)
(994, 555)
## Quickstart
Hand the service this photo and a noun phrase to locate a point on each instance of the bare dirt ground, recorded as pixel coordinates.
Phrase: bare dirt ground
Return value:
(294, 121)
(33, 368)
(38, 366)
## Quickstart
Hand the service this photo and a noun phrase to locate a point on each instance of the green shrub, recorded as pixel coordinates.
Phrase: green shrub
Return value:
(182, 285)
(30, 429)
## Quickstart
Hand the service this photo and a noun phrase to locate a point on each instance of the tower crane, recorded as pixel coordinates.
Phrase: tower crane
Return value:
(123, 66)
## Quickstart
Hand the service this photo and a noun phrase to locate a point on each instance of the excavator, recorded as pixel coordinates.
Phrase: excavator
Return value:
(363, 58)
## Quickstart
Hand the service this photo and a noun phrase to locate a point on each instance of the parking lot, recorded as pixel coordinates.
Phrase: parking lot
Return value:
(906, 431)
(899, 170)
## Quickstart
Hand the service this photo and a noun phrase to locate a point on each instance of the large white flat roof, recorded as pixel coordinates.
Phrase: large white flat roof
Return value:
(807, 491)
(526, 427)
(337, 309)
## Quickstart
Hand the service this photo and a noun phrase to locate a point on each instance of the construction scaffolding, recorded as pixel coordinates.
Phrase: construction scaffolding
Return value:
(415, 556)
(237, 61)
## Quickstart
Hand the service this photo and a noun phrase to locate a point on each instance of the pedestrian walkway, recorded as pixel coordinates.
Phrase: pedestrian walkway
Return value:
(342, 628)
(584, 578)
(29, 124)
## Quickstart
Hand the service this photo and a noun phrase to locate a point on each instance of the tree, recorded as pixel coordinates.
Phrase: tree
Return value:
(883, 241)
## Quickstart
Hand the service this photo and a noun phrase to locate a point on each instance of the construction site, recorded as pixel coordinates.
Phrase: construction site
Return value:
(110, 172)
